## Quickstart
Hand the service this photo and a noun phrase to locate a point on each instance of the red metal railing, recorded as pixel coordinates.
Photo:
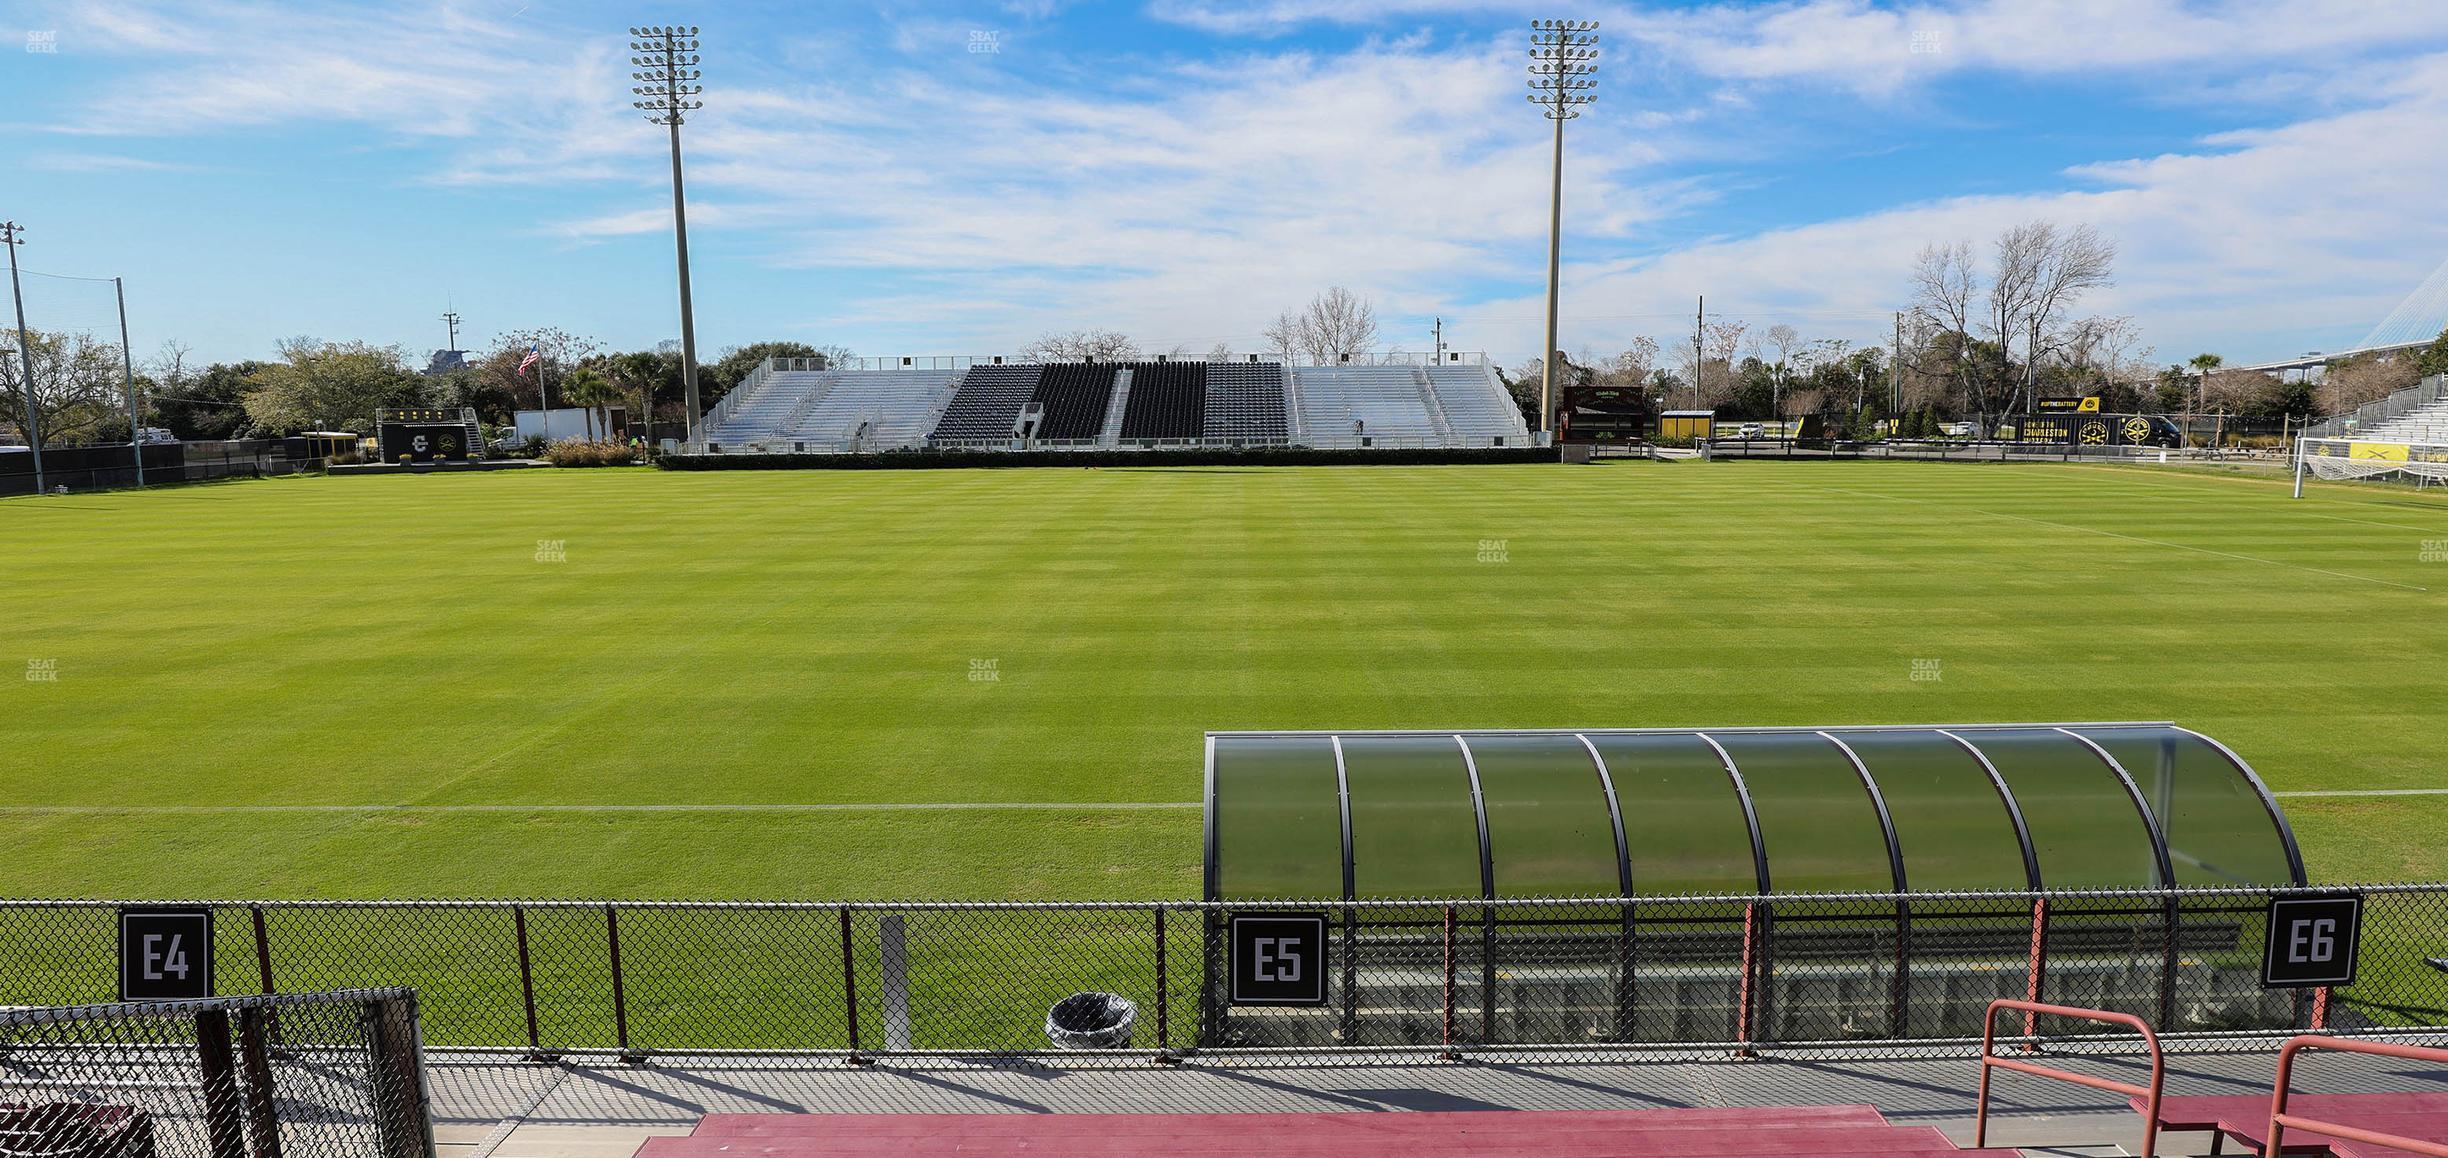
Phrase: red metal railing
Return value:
(2280, 1120)
(1989, 1061)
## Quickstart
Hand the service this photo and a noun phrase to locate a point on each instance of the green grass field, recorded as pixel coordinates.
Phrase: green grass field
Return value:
(374, 687)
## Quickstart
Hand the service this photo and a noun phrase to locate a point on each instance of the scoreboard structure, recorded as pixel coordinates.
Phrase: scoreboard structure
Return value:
(1603, 414)
(428, 434)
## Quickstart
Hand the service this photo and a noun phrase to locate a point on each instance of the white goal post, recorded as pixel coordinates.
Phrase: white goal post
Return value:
(2337, 459)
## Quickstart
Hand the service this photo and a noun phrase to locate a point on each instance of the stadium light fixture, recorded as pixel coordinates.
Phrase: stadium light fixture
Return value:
(667, 90)
(1563, 77)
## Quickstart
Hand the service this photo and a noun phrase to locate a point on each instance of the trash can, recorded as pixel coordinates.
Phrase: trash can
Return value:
(1092, 1021)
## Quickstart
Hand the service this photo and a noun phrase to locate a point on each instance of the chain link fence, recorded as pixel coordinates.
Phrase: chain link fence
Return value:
(1682, 977)
(325, 1075)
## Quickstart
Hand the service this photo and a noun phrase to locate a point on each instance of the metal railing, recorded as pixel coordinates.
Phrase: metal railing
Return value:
(1595, 977)
(2031, 1010)
(1950, 450)
(2280, 1121)
(321, 1075)
(965, 361)
(2370, 414)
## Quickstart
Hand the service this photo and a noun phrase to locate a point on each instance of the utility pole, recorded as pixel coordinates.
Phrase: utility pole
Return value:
(667, 85)
(1699, 349)
(25, 353)
(1563, 70)
(1440, 341)
(1895, 371)
(127, 377)
(2031, 367)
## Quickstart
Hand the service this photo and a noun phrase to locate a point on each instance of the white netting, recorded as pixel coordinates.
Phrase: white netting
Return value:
(2338, 460)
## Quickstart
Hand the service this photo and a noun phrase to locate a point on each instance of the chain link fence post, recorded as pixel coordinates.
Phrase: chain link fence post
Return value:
(255, 1063)
(526, 962)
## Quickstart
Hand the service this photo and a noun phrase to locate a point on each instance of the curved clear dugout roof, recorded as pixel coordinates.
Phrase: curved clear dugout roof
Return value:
(1661, 812)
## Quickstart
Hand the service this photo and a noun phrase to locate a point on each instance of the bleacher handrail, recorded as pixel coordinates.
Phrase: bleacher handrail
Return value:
(965, 361)
(2397, 405)
(1990, 1061)
(2280, 1121)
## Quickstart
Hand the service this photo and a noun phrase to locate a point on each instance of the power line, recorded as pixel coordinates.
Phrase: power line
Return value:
(67, 276)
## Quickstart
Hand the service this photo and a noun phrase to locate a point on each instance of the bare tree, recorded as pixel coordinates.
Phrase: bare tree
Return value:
(2231, 391)
(1220, 352)
(1335, 325)
(1284, 334)
(1631, 367)
(1945, 284)
(2065, 266)
(1723, 340)
(2103, 350)
(1786, 341)
(1692, 357)
(1082, 346)
(2041, 272)
(2356, 381)
(1925, 381)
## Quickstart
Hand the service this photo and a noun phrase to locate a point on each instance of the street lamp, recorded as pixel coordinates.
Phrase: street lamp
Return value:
(1563, 71)
(666, 58)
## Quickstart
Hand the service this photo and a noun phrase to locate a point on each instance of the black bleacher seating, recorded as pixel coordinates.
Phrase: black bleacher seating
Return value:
(1245, 400)
(987, 402)
(1074, 396)
(1168, 400)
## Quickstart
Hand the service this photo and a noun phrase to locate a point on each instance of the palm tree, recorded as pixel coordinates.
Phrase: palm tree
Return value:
(587, 388)
(640, 371)
(2202, 365)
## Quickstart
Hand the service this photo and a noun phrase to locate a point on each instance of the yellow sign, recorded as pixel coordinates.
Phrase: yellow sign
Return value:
(2383, 451)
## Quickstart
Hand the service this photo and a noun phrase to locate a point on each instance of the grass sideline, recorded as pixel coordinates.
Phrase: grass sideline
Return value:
(753, 638)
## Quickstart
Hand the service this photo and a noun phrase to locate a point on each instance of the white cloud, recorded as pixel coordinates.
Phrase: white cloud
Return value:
(1190, 199)
(100, 163)
(2261, 244)
(1879, 47)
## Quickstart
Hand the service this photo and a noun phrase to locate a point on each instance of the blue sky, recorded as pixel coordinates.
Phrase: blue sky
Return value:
(1182, 170)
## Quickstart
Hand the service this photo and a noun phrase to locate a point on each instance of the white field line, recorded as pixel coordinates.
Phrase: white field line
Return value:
(2370, 792)
(926, 806)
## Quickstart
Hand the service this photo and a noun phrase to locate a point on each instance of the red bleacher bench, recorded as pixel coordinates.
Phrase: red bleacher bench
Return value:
(1768, 1132)
(2245, 1118)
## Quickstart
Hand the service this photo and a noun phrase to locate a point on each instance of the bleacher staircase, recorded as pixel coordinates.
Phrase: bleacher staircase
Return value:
(1111, 433)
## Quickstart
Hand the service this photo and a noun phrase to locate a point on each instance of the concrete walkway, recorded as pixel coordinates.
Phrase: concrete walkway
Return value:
(604, 1110)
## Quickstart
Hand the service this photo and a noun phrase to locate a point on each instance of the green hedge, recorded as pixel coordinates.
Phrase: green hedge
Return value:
(945, 460)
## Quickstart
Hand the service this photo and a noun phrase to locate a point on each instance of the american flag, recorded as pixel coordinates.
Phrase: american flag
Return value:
(529, 360)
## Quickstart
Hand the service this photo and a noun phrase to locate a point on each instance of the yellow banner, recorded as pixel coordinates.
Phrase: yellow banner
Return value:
(2383, 451)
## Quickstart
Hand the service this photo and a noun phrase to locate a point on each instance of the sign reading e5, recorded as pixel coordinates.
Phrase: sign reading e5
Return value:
(1279, 958)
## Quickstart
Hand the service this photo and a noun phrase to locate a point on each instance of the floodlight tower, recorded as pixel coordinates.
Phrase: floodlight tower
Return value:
(1563, 71)
(667, 86)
